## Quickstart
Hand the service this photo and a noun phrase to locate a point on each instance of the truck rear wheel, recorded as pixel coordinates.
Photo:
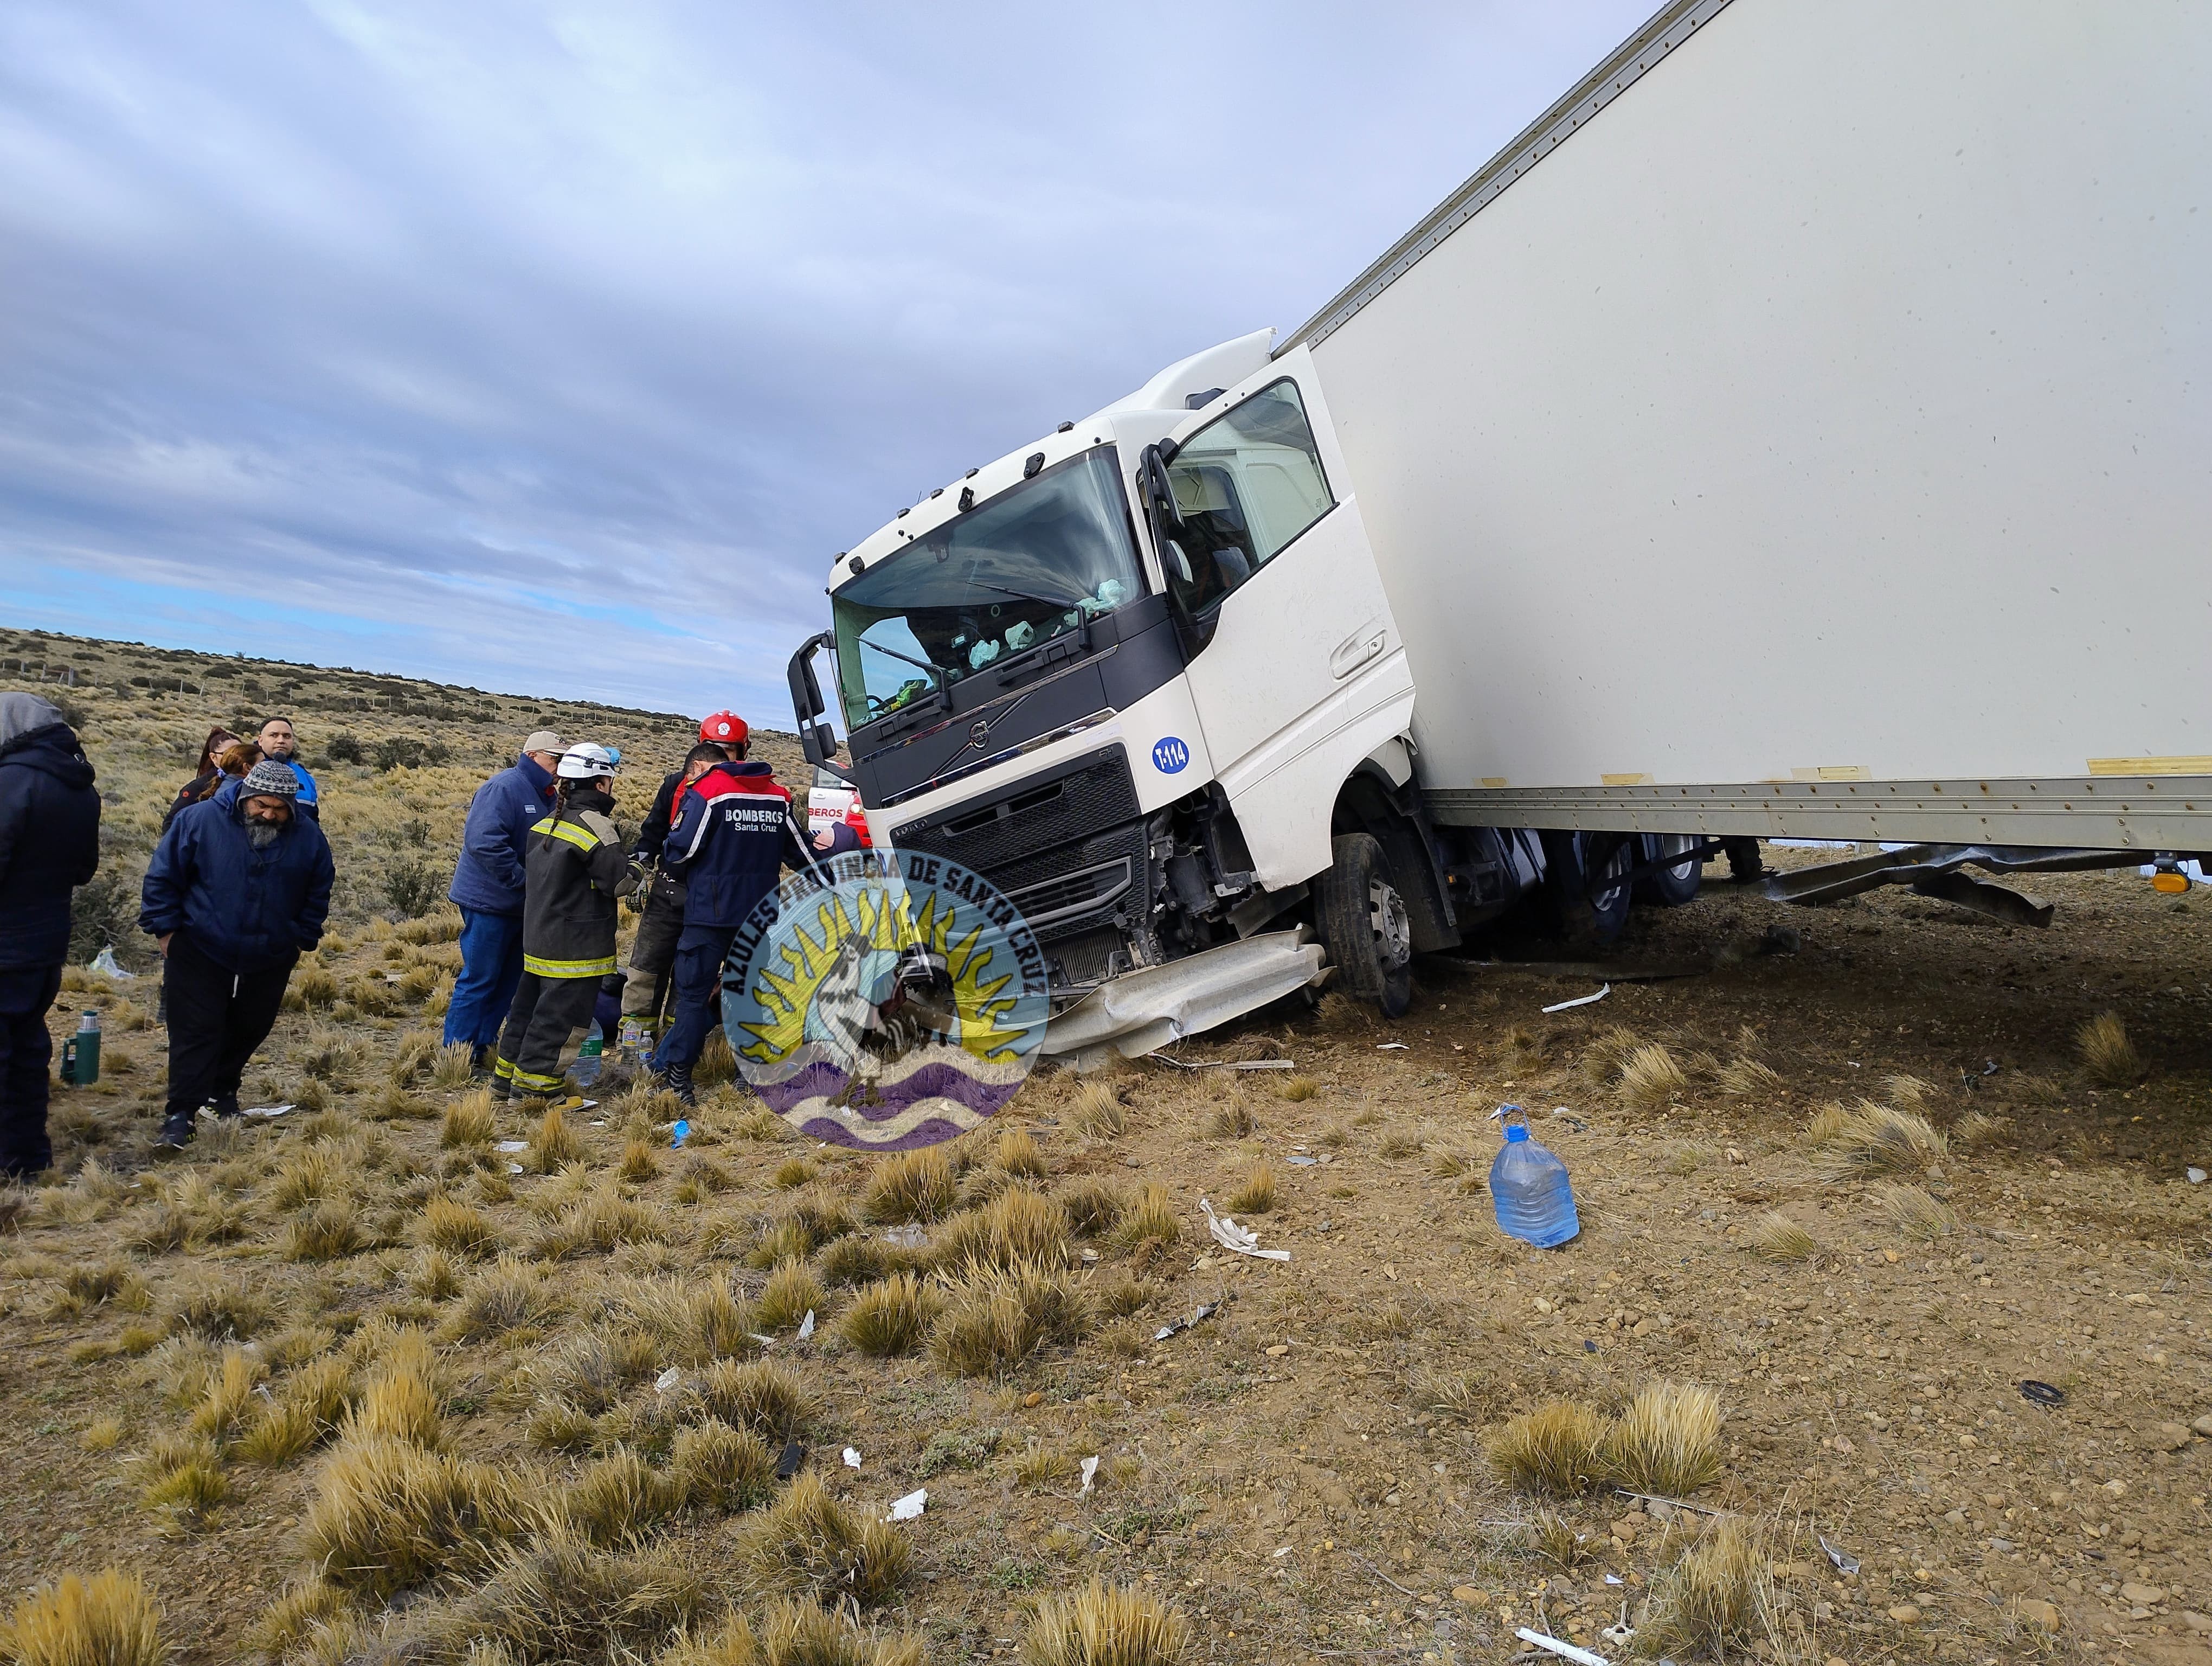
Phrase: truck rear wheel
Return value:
(1670, 887)
(1364, 927)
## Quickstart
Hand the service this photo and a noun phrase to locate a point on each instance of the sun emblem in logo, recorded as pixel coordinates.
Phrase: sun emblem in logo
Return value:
(888, 1001)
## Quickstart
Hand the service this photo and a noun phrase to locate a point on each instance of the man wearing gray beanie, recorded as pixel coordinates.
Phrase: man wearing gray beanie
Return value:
(237, 890)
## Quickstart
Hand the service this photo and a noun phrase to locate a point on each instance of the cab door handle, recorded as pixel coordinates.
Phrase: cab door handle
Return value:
(1357, 649)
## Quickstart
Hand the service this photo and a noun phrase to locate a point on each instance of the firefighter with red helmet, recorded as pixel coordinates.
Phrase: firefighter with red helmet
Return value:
(732, 836)
(722, 740)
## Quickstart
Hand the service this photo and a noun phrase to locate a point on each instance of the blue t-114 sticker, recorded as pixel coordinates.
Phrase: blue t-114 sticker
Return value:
(1170, 755)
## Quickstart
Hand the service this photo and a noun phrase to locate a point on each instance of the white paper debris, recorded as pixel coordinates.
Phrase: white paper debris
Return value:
(910, 1507)
(105, 963)
(1615, 1579)
(512, 1145)
(267, 1110)
(1304, 1162)
(1090, 1475)
(905, 1237)
(1844, 1564)
(514, 1168)
(1392, 1047)
(2195, 1176)
(668, 1379)
(851, 1458)
(806, 1325)
(1228, 1064)
(1280, 1551)
(1582, 1000)
(765, 1341)
(1241, 1239)
(1566, 1651)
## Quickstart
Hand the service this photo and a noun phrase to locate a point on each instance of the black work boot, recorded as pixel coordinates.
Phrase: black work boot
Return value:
(225, 1104)
(177, 1132)
(480, 1063)
(678, 1081)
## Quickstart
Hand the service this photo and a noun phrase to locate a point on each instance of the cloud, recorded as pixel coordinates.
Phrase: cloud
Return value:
(556, 348)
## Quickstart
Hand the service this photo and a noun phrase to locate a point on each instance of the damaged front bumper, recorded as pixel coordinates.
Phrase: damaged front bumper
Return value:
(1141, 1012)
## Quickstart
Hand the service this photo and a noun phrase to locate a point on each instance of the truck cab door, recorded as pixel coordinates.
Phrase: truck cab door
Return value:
(1296, 667)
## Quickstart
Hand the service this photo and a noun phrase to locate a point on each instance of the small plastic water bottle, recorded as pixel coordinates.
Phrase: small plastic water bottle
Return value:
(593, 1053)
(1528, 1188)
(634, 1043)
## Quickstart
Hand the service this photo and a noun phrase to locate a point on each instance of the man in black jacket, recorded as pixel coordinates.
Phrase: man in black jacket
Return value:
(49, 845)
(653, 952)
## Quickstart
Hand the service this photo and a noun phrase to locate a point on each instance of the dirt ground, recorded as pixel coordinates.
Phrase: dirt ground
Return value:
(1304, 1473)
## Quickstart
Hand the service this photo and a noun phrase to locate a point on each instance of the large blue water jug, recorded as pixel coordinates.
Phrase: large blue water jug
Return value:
(1529, 1189)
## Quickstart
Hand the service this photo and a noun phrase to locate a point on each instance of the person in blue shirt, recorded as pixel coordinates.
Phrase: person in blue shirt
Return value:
(278, 742)
(488, 883)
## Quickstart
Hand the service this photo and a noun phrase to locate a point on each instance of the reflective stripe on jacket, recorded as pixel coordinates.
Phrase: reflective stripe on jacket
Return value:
(576, 867)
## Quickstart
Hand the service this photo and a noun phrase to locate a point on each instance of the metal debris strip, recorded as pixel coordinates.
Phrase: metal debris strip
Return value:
(1844, 1564)
(1675, 1504)
(1175, 1327)
(2042, 1394)
(1933, 871)
(1580, 1000)
(1565, 1651)
(1225, 1064)
(1242, 1240)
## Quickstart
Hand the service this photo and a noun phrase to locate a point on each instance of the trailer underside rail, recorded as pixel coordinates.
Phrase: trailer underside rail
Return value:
(1933, 871)
(2144, 814)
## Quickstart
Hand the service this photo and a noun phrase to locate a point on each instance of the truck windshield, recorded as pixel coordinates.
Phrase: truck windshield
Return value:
(986, 586)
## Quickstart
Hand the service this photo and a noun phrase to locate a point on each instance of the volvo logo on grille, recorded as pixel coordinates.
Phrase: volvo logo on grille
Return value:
(978, 732)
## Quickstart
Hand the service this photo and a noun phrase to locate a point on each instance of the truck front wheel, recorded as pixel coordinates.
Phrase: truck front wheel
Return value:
(1363, 925)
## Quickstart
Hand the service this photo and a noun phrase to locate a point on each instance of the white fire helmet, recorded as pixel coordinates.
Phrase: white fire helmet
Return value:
(585, 762)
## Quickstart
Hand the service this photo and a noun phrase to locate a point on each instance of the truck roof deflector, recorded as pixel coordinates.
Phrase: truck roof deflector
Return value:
(1142, 1010)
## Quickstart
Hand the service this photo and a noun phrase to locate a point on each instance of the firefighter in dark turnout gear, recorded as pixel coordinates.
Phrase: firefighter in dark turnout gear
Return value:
(652, 953)
(574, 868)
(733, 836)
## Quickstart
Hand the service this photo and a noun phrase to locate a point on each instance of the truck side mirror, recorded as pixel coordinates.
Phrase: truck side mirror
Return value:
(816, 739)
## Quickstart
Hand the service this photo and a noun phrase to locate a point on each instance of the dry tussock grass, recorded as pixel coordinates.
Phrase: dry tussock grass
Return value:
(792, 1633)
(1256, 1194)
(459, 1228)
(185, 1480)
(1668, 1441)
(1104, 1624)
(995, 1319)
(1233, 1119)
(619, 1500)
(1914, 1211)
(305, 1411)
(599, 1223)
(1713, 1599)
(222, 1411)
(1466, 1395)
(1042, 1466)
(1018, 1227)
(1775, 1237)
(509, 1295)
(1874, 1138)
(809, 1545)
(1977, 1130)
(555, 1597)
(1094, 1206)
(791, 1292)
(721, 1468)
(1651, 1079)
(857, 1259)
(695, 1321)
(912, 1186)
(1740, 1076)
(1149, 1221)
(1296, 1088)
(470, 1119)
(891, 1315)
(1555, 1542)
(772, 1402)
(554, 1145)
(1018, 1153)
(1555, 1449)
(1099, 1113)
(388, 1514)
(108, 1620)
(2106, 1053)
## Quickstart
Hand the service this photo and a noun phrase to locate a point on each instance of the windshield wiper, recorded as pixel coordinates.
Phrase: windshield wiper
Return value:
(1032, 596)
(936, 672)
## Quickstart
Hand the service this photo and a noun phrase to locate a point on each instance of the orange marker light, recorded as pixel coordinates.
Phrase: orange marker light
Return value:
(2173, 884)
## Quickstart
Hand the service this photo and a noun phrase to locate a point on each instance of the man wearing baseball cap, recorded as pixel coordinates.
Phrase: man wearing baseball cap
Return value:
(237, 890)
(488, 885)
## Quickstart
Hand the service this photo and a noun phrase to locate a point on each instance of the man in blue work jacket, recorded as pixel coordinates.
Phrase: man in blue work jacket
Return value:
(734, 835)
(487, 884)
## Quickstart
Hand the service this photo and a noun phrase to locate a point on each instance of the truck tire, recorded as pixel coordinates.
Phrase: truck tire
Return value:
(1364, 928)
(1582, 918)
(1670, 887)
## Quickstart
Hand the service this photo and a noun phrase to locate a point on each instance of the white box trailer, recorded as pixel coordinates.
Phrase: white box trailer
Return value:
(1801, 430)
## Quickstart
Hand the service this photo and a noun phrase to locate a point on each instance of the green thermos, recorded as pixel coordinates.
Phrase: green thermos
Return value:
(81, 1052)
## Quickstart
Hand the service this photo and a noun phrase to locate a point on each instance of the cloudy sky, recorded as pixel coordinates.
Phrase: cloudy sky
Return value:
(556, 348)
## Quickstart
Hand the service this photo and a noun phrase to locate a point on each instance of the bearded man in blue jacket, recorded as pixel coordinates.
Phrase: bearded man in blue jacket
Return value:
(237, 890)
(488, 885)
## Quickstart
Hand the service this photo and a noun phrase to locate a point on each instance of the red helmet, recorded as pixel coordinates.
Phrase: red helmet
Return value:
(725, 729)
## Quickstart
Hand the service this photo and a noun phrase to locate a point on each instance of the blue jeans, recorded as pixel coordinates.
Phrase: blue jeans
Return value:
(697, 974)
(491, 966)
